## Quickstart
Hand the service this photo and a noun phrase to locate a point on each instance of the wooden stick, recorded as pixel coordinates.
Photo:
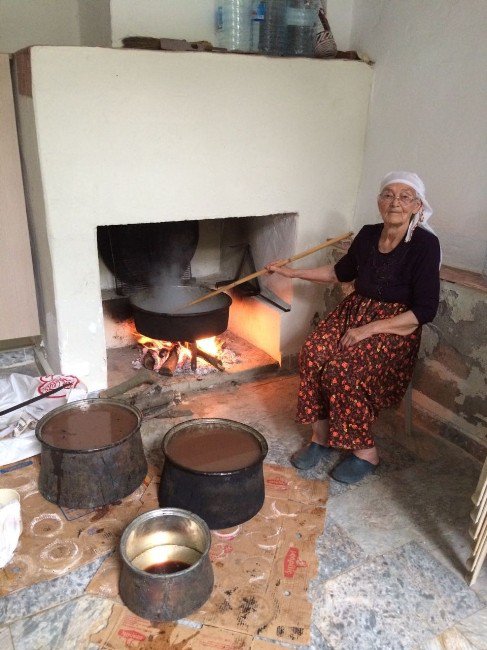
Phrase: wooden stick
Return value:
(329, 242)
(142, 376)
(213, 360)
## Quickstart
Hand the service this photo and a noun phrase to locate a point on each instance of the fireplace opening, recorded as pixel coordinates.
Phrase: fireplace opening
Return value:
(160, 261)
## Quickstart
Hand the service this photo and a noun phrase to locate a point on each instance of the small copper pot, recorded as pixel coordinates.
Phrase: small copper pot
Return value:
(166, 568)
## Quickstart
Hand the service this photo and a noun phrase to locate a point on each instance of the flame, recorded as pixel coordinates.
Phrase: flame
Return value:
(152, 344)
(184, 353)
(208, 345)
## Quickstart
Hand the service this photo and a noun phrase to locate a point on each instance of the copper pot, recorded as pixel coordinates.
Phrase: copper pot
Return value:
(166, 569)
(97, 473)
(221, 496)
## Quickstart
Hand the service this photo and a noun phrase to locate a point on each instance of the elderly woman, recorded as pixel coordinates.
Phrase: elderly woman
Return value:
(360, 359)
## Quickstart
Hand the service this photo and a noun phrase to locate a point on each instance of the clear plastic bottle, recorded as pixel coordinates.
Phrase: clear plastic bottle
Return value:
(272, 39)
(257, 17)
(233, 24)
(301, 20)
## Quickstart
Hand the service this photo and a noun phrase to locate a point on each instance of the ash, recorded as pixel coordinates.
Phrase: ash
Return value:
(226, 356)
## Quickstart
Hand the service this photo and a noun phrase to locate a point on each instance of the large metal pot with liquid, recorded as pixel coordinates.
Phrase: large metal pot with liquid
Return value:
(91, 453)
(214, 468)
(157, 313)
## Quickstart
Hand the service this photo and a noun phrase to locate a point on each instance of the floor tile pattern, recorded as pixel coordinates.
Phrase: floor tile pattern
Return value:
(67, 627)
(42, 595)
(374, 604)
(391, 558)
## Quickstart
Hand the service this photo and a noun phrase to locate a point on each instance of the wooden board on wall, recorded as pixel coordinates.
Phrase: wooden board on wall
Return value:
(18, 311)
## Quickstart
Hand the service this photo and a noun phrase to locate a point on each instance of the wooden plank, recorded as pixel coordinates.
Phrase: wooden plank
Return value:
(464, 278)
(475, 562)
(18, 316)
(478, 512)
(481, 485)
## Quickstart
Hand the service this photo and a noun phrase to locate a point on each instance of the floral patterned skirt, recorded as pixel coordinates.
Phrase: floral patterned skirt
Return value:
(349, 387)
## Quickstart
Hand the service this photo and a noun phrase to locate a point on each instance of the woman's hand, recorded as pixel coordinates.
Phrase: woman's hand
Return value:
(280, 270)
(402, 324)
(354, 336)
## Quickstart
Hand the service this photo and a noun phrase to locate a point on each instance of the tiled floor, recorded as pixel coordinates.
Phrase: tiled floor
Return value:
(22, 361)
(391, 556)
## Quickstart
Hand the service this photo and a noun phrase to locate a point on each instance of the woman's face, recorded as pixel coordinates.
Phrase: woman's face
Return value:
(397, 203)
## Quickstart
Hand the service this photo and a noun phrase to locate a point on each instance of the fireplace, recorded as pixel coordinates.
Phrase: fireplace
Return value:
(150, 271)
(122, 137)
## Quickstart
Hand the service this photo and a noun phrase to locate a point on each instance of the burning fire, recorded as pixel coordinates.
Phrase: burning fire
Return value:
(156, 353)
(209, 345)
(152, 344)
(168, 357)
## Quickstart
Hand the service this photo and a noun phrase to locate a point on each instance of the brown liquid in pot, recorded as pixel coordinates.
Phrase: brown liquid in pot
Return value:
(214, 448)
(89, 427)
(170, 566)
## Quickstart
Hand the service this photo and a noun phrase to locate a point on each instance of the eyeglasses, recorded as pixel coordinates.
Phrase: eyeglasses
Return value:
(402, 197)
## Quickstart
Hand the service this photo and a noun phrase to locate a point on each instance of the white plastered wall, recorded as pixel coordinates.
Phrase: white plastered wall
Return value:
(38, 22)
(428, 113)
(54, 22)
(94, 22)
(129, 136)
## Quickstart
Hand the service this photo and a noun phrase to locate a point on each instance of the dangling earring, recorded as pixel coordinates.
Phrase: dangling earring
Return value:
(421, 216)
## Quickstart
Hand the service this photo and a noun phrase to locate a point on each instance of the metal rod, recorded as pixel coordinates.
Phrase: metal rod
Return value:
(35, 399)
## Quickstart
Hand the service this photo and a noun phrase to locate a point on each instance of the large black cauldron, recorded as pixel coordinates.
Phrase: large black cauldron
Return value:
(221, 497)
(156, 313)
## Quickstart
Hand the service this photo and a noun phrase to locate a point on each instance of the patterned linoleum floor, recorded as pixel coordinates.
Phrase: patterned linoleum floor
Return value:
(391, 558)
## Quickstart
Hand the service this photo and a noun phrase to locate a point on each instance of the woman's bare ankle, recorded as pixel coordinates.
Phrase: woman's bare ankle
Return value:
(370, 455)
(320, 432)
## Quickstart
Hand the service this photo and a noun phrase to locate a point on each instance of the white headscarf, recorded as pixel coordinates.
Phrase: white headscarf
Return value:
(414, 181)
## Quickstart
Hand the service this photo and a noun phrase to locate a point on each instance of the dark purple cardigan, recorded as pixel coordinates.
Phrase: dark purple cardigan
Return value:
(410, 274)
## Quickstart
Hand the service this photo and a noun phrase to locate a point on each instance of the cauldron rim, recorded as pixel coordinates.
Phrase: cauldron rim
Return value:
(176, 314)
(95, 400)
(239, 470)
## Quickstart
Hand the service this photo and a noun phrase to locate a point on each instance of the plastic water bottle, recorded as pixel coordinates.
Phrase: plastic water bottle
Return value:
(301, 18)
(272, 38)
(233, 24)
(257, 17)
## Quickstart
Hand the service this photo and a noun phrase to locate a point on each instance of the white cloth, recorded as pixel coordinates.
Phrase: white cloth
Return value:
(414, 181)
(10, 524)
(17, 439)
